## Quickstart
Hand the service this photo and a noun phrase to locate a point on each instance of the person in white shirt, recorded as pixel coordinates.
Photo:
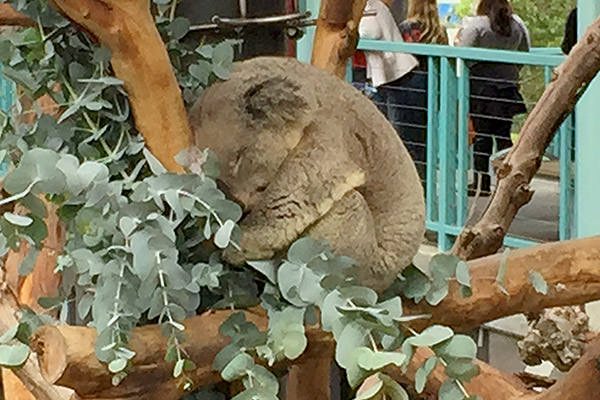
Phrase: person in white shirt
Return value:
(384, 67)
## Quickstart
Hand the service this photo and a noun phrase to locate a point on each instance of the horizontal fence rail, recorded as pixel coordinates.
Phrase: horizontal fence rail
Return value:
(433, 112)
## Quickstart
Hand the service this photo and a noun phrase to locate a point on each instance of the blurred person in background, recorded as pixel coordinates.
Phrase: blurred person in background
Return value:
(422, 25)
(494, 91)
(570, 37)
(384, 68)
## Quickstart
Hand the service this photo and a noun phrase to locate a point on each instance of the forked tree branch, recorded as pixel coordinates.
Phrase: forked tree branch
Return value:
(520, 165)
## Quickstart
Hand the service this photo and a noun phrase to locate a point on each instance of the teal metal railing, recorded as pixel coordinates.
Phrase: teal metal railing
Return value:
(7, 92)
(447, 149)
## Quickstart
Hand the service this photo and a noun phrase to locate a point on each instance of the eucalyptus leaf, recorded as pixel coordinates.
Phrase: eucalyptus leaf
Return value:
(13, 355)
(178, 368)
(26, 265)
(117, 365)
(223, 234)
(432, 335)
(9, 334)
(266, 267)
(423, 372)
(537, 281)
(449, 390)
(458, 346)
(155, 166)
(18, 220)
(374, 388)
(237, 367)
(462, 274)
(375, 360)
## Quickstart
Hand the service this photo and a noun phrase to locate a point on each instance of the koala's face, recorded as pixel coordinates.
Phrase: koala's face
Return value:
(251, 124)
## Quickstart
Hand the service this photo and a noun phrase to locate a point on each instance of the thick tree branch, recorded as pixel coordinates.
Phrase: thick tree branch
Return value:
(140, 59)
(570, 268)
(337, 34)
(523, 161)
(29, 373)
(9, 16)
(67, 356)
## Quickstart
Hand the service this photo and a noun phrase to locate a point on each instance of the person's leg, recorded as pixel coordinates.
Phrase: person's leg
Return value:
(409, 114)
(482, 149)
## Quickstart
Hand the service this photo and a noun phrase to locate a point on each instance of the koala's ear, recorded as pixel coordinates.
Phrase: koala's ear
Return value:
(276, 101)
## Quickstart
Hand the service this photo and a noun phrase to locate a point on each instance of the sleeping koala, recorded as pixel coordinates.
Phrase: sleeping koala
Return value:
(306, 154)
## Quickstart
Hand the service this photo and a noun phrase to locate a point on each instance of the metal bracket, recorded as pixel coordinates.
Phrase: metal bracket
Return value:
(294, 20)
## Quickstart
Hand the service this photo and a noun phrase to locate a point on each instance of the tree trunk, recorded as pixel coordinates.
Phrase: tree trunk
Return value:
(520, 165)
(31, 381)
(336, 34)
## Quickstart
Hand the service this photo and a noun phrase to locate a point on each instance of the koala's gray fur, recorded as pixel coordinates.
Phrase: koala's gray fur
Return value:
(307, 154)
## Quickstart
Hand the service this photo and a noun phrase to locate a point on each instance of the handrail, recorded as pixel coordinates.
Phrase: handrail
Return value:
(467, 53)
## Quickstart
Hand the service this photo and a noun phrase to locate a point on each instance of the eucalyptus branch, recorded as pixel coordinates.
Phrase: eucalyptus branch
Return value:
(172, 10)
(210, 210)
(21, 195)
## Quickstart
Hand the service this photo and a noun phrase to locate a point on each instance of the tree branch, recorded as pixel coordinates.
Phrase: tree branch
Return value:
(336, 34)
(523, 161)
(29, 373)
(139, 58)
(67, 358)
(570, 268)
(9, 16)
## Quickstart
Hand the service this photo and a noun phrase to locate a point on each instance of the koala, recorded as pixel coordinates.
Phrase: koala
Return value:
(306, 154)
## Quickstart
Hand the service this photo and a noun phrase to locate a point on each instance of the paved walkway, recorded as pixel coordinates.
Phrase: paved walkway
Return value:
(538, 219)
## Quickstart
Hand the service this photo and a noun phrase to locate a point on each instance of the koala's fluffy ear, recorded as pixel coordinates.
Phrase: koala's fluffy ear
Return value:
(275, 102)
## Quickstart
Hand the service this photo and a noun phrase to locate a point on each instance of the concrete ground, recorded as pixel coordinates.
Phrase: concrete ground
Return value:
(537, 220)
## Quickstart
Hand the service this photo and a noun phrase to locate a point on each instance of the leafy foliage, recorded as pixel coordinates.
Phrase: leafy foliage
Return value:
(144, 245)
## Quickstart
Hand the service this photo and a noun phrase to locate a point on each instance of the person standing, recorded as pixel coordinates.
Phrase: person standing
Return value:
(422, 25)
(384, 68)
(570, 37)
(494, 92)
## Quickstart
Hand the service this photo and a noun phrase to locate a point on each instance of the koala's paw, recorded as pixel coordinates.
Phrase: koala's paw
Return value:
(234, 256)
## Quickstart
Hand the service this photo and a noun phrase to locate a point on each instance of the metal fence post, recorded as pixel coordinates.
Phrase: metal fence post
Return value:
(462, 137)
(566, 175)
(433, 96)
(304, 44)
(7, 92)
(447, 152)
(587, 141)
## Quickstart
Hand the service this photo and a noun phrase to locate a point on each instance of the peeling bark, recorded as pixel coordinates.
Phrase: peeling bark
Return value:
(520, 165)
